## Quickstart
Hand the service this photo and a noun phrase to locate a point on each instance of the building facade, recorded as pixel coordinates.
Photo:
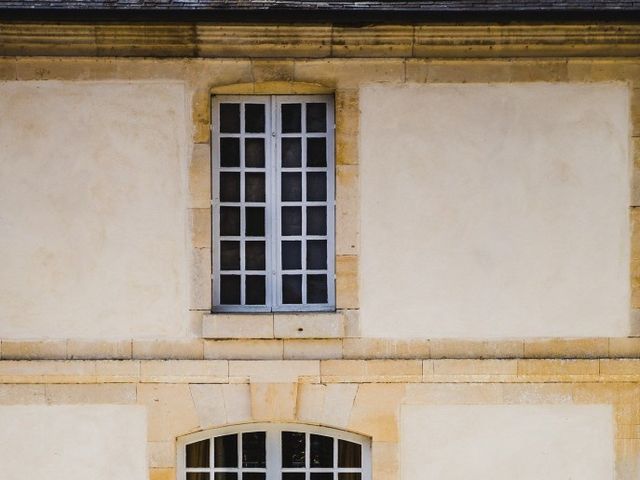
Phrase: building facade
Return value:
(300, 248)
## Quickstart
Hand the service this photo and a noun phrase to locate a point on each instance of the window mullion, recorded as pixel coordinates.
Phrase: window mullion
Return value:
(274, 172)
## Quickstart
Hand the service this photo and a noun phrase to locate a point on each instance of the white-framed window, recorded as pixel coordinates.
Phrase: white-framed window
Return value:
(272, 451)
(273, 205)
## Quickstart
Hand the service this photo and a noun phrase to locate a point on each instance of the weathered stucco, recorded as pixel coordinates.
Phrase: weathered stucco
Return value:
(101, 442)
(494, 211)
(93, 238)
(503, 442)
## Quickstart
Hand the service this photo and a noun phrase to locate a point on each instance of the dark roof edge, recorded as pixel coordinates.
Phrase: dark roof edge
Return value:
(359, 17)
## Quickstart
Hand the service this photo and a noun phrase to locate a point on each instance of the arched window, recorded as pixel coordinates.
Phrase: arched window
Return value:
(271, 451)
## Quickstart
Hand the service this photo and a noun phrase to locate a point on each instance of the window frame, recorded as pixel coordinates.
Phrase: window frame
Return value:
(273, 203)
(273, 448)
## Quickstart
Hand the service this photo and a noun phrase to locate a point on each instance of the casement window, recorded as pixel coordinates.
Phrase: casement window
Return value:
(273, 203)
(274, 452)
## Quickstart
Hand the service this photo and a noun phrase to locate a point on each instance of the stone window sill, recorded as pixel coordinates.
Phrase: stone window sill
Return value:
(274, 325)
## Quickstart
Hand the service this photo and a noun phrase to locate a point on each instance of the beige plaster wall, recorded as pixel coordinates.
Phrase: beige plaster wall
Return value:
(92, 209)
(100, 442)
(496, 442)
(492, 211)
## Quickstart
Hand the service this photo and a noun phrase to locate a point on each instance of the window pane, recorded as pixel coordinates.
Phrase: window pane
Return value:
(292, 221)
(229, 255)
(254, 187)
(230, 152)
(316, 289)
(255, 293)
(316, 152)
(255, 221)
(291, 117)
(225, 476)
(293, 476)
(291, 152)
(197, 476)
(254, 152)
(349, 476)
(316, 117)
(253, 450)
(230, 289)
(229, 221)
(322, 476)
(291, 188)
(254, 255)
(293, 449)
(230, 117)
(225, 451)
(292, 289)
(291, 255)
(253, 476)
(229, 186)
(254, 117)
(321, 451)
(316, 186)
(316, 220)
(198, 454)
(316, 254)
(349, 454)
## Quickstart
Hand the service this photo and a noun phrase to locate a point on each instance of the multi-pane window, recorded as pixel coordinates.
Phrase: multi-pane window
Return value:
(274, 452)
(273, 203)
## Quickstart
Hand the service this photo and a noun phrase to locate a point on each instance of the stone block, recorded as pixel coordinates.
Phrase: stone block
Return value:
(385, 460)
(349, 74)
(558, 367)
(453, 394)
(47, 371)
(624, 347)
(34, 350)
(114, 393)
(463, 71)
(200, 176)
(117, 371)
(312, 349)
(275, 371)
(98, 349)
(162, 474)
(375, 411)
(200, 220)
(177, 349)
(209, 405)
(566, 348)
(22, 394)
(237, 403)
(371, 371)
(272, 70)
(623, 366)
(243, 349)
(338, 403)
(221, 325)
(347, 281)
(310, 403)
(184, 371)
(449, 348)
(308, 325)
(161, 455)
(614, 393)
(351, 322)
(366, 348)
(170, 411)
(475, 367)
(8, 69)
(200, 279)
(273, 401)
(539, 71)
(347, 210)
(347, 111)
